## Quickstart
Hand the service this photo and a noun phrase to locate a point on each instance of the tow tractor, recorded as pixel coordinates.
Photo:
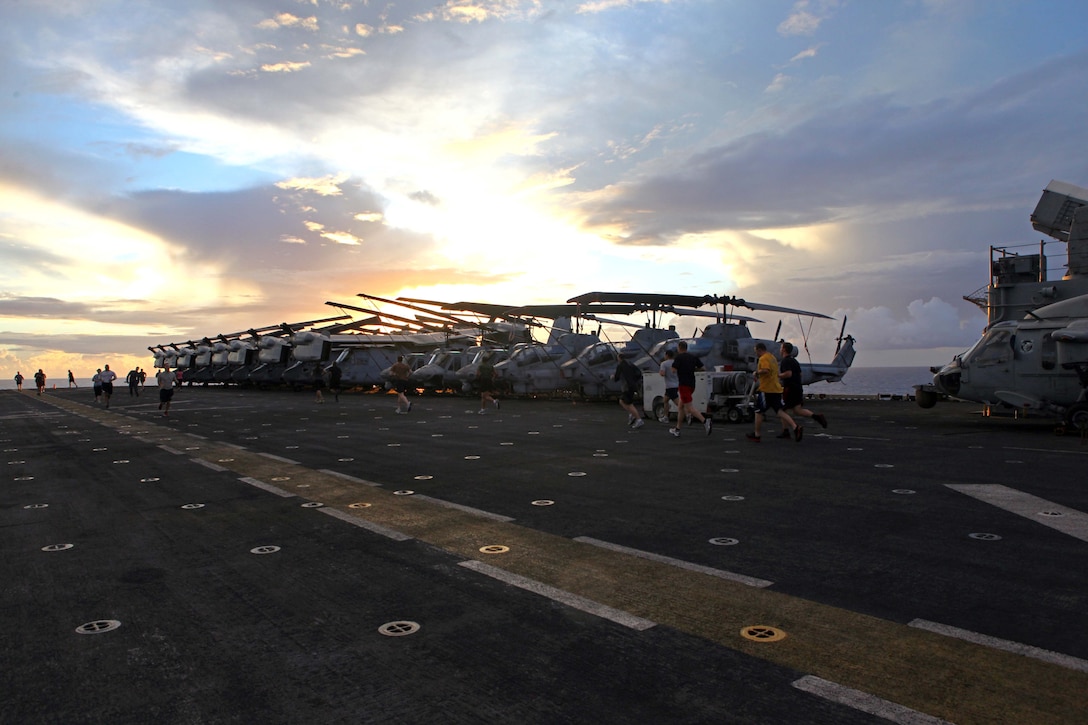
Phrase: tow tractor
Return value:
(720, 394)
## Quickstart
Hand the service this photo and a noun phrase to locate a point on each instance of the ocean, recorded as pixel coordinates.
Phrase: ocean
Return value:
(859, 381)
(875, 381)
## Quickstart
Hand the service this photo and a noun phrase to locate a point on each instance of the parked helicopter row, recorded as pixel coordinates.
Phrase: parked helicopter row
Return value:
(444, 343)
(1033, 354)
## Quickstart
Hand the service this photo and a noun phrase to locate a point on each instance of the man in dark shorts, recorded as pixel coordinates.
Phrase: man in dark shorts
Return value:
(793, 393)
(630, 377)
(334, 381)
(770, 395)
(166, 381)
(400, 372)
(685, 364)
(485, 382)
(106, 377)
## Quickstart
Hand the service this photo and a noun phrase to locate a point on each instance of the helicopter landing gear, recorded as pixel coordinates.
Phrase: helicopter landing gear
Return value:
(734, 415)
(1075, 420)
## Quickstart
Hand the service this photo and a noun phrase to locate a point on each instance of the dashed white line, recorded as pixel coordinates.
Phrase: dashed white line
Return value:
(680, 563)
(1070, 521)
(1045, 655)
(563, 597)
(368, 525)
(863, 701)
(266, 487)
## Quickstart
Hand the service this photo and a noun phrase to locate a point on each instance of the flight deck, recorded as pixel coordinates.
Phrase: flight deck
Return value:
(259, 557)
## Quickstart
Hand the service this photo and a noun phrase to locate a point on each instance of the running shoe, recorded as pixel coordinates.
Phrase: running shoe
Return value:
(820, 418)
(675, 433)
(708, 424)
(752, 437)
(798, 433)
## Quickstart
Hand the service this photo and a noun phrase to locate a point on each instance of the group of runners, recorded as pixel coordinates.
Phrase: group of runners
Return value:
(780, 391)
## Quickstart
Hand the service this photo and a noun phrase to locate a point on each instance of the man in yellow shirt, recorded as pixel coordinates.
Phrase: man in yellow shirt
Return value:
(770, 395)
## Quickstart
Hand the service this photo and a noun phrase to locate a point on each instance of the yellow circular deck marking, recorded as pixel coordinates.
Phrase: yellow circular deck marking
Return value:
(494, 549)
(359, 505)
(761, 633)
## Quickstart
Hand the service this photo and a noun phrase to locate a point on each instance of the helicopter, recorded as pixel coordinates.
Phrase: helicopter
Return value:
(725, 346)
(1033, 354)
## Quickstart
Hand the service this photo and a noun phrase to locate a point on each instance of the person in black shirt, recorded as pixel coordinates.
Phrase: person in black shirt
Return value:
(685, 366)
(334, 381)
(793, 393)
(630, 376)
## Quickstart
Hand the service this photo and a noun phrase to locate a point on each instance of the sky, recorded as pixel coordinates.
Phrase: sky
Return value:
(175, 170)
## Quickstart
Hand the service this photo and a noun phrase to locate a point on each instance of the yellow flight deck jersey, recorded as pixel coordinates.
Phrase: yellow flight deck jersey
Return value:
(768, 381)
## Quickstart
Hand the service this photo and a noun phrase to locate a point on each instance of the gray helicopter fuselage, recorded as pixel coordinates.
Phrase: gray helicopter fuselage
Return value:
(1037, 363)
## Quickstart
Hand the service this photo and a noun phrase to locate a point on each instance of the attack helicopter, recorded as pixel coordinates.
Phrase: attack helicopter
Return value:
(1033, 355)
(725, 346)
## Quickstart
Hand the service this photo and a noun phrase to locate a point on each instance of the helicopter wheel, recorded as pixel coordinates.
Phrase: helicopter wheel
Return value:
(734, 415)
(1076, 416)
(659, 407)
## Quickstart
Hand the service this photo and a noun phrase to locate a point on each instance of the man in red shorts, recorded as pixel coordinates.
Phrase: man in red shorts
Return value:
(685, 364)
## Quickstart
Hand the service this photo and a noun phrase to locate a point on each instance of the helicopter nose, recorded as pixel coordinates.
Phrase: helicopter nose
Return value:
(948, 381)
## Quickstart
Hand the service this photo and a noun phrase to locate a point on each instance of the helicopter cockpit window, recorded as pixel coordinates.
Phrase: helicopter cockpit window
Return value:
(601, 353)
(994, 349)
(701, 347)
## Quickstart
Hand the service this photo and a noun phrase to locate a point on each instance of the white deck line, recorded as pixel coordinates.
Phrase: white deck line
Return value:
(266, 487)
(1045, 655)
(467, 509)
(563, 597)
(679, 563)
(347, 477)
(364, 524)
(865, 702)
(208, 464)
(1071, 521)
(281, 459)
(168, 449)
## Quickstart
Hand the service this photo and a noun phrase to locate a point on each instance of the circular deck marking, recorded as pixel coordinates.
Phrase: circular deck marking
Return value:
(345, 460)
(16, 463)
(302, 485)
(985, 537)
(424, 477)
(122, 461)
(533, 433)
(191, 506)
(732, 498)
(543, 502)
(404, 492)
(192, 448)
(98, 627)
(903, 491)
(398, 629)
(724, 541)
(312, 505)
(731, 453)
(883, 465)
(472, 458)
(226, 460)
(1051, 513)
(855, 449)
(494, 549)
(392, 445)
(1014, 462)
(58, 547)
(436, 435)
(576, 474)
(762, 633)
(359, 505)
(36, 506)
(24, 478)
(730, 470)
(291, 448)
(252, 438)
(506, 443)
(343, 436)
(281, 478)
(600, 455)
(264, 550)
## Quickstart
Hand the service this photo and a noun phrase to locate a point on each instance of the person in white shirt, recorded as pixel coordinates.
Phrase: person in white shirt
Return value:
(166, 380)
(106, 377)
